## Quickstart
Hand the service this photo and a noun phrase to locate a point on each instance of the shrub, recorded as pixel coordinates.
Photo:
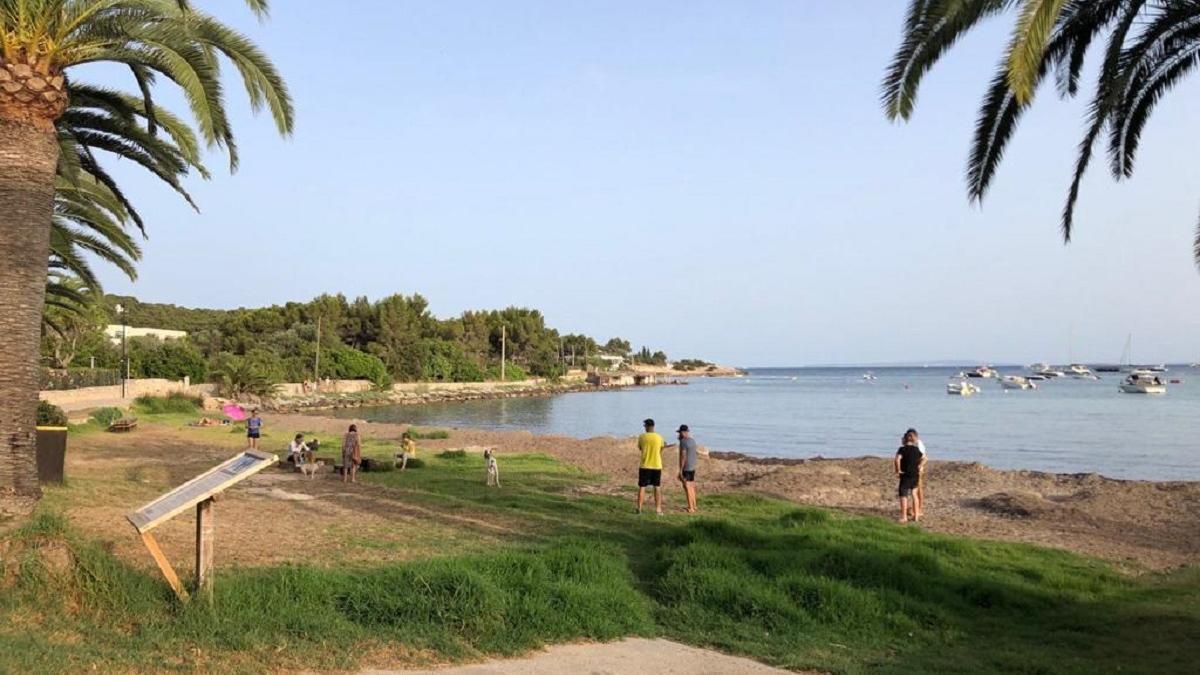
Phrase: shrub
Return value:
(168, 359)
(351, 364)
(175, 402)
(428, 434)
(50, 415)
(237, 376)
(512, 373)
(106, 416)
(692, 364)
(415, 463)
(443, 361)
(456, 455)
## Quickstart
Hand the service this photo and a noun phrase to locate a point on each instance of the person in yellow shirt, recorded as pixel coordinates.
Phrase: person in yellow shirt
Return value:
(650, 470)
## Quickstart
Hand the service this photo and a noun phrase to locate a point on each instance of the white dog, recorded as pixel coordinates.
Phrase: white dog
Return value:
(310, 469)
(493, 468)
(401, 461)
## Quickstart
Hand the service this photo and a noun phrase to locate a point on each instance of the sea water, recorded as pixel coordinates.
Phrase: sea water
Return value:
(1066, 425)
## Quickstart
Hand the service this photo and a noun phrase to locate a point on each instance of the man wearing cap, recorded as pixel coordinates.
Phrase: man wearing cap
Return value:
(650, 470)
(687, 465)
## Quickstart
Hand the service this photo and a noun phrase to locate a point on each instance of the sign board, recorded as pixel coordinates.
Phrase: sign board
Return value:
(200, 488)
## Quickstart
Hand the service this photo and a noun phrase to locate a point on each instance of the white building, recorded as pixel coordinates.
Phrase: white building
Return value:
(113, 331)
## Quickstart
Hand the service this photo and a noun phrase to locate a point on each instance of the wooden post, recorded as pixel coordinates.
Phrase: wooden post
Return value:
(164, 565)
(204, 548)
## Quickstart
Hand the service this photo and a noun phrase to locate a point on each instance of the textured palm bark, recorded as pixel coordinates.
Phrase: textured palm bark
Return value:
(28, 155)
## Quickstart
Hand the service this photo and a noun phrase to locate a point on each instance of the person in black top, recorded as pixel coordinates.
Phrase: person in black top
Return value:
(908, 468)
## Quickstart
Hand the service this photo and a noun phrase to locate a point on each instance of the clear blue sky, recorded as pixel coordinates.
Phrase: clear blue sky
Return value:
(715, 179)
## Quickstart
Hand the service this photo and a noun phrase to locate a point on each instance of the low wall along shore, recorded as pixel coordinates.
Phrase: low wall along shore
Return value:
(331, 393)
(95, 397)
(290, 395)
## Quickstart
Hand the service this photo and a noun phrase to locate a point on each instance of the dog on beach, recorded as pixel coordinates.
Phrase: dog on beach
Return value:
(493, 468)
(310, 469)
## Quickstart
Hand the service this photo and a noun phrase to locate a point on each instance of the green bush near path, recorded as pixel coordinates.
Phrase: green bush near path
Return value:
(175, 402)
(103, 417)
(428, 434)
(797, 587)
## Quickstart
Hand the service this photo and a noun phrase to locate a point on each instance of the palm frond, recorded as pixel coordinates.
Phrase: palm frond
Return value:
(1035, 24)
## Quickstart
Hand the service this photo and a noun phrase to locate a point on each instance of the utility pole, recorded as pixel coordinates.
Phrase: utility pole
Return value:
(503, 350)
(124, 353)
(317, 361)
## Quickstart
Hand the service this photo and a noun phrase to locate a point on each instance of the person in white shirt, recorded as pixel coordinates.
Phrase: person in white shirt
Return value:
(919, 493)
(296, 450)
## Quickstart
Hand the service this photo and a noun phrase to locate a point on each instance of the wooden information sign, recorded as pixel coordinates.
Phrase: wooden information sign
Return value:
(199, 492)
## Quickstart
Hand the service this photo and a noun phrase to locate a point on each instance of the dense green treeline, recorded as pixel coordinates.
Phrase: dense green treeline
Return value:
(395, 338)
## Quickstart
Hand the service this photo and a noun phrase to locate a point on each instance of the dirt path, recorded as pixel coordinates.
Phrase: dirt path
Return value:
(633, 655)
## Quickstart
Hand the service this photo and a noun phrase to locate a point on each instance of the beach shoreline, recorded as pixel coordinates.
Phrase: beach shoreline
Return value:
(1146, 525)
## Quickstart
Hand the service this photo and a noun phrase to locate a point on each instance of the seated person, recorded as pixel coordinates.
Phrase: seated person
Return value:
(297, 449)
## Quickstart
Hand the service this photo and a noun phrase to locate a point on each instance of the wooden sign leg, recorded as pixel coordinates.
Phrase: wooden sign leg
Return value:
(164, 565)
(204, 548)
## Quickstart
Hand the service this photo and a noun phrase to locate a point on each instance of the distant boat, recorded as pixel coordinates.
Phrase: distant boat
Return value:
(868, 376)
(1081, 372)
(1142, 384)
(1160, 368)
(1046, 371)
(1016, 382)
(1036, 377)
(981, 371)
(958, 387)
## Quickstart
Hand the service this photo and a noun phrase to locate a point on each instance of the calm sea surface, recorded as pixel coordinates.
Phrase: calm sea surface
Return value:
(1065, 426)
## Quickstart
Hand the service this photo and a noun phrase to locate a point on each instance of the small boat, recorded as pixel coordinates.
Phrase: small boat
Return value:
(1036, 377)
(1081, 372)
(1142, 384)
(981, 371)
(1016, 382)
(1160, 368)
(868, 376)
(957, 387)
(1046, 371)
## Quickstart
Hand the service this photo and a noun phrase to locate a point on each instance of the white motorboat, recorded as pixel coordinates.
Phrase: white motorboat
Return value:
(958, 387)
(868, 376)
(1046, 371)
(1143, 384)
(1160, 368)
(1081, 372)
(981, 372)
(1016, 382)
(1036, 377)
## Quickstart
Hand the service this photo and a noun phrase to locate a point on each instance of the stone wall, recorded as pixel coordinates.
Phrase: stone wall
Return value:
(96, 397)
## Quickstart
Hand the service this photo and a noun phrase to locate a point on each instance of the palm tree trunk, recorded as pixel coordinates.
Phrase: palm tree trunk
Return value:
(28, 156)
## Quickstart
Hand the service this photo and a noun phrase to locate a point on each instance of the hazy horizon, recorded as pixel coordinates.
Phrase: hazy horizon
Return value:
(713, 179)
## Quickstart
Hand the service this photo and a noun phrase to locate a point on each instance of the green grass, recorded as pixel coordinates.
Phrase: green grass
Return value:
(795, 587)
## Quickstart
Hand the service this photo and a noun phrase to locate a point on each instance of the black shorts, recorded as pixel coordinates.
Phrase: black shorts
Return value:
(907, 485)
(253, 433)
(689, 476)
(649, 477)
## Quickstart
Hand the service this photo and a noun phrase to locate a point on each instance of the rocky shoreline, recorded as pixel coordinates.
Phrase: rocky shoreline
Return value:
(427, 394)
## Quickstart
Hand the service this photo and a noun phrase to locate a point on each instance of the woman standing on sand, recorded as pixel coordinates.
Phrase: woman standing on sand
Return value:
(351, 455)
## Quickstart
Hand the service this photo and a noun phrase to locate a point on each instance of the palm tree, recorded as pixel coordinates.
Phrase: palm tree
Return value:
(52, 128)
(1148, 47)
